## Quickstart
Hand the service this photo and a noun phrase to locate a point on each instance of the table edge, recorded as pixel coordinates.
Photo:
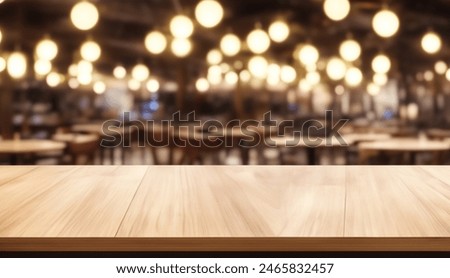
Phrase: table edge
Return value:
(225, 244)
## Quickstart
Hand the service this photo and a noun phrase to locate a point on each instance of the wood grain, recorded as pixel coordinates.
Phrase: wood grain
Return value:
(225, 208)
(237, 202)
(68, 201)
(394, 202)
(8, 173)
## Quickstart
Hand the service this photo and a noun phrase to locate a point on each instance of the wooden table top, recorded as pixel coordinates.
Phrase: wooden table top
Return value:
(88, 128)
(74, 137)
(438, 133)
(29, 146)
(225, 208)
(366, 137)
(235, 132)
(406, 145)
(298, 141)
(98, 129)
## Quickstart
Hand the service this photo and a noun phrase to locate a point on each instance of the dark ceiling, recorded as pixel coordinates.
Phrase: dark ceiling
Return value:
(124, 23)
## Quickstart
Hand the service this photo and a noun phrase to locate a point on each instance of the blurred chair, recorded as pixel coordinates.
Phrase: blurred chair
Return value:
(83, 151)
(161, 140)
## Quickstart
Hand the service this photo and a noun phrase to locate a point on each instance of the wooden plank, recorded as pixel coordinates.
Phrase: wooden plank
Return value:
(8, 173)
(223, 208)
(237, 202)
(393, 202)
(18, 197)
(68, 201)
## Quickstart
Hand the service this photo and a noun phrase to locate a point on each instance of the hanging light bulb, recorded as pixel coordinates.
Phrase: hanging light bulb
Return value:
(53, 79)
(428, 75)
(202, 85)
(238, 65)
(225, 67)
(336, 69)
(84, 15)
(412, 111)
(2, 64)
(339, 90)
(440, 67)
(304, 86)
(257, 66)
(17, 65)
(84, 67)
(313, 78)
(181, 47)
(431, 43)
(140, 72)
(42, 67)
(308, 55)
(273, 74)
(152, 85)
(381, 64)
(336, 9)
(119, 72)
(231, 78)
(279, 31)
(310, 68)
(73, 70)
(258, 41)
(73, 83)
(385, 23)
(90, 51)
(288, 74)
(181, 27)
(215, 70)
(230, 44)
(447, 75)
(134, 85)
(155, 42)
(46, 50)
(214, 57)
(350, 50)
(373, 89)
(209, 13)
(1, 36)
(353, 77)
(84, 78)
(99, 87)
(380, 79)
(245, 76)
(214, 75)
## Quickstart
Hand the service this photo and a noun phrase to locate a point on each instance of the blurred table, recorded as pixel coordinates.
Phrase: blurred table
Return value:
(17, 148)
(88, 128)
(101, 130)
(79, 145)
(311, 145)
(411, 146)
(439, 134)
(74, 137)
(356, 138)
(111, 137)
(232, 137)
(225, 208)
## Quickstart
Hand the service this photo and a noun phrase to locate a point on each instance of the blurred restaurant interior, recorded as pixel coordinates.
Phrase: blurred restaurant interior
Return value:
(381, 68)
